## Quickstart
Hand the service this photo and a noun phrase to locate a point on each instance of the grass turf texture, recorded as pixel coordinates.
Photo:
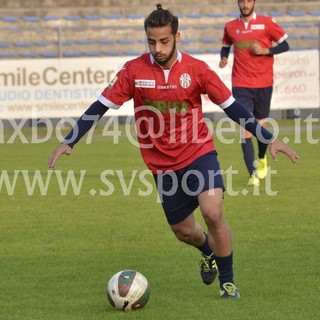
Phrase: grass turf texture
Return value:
(57, 252)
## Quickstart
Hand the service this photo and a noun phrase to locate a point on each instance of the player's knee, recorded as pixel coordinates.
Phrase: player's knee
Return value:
(183, 234)
(212, 217)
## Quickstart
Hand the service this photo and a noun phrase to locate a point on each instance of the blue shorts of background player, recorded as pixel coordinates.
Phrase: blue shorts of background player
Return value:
(256, 100)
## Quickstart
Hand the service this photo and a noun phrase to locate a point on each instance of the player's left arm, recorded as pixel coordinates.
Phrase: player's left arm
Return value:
(278, 36)
(219, 94)
(279, 48)
(238, 113)
(258, 50)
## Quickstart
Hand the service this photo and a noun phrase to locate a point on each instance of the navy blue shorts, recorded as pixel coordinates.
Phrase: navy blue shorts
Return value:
(179, 190)
(256, 100)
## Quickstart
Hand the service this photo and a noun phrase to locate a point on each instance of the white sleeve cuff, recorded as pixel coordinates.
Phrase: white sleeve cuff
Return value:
(108, 103)
(227, 103)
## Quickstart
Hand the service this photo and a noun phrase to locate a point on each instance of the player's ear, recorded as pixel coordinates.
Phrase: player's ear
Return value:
(177, 37)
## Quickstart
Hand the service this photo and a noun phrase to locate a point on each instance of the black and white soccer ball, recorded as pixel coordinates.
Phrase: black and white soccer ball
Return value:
(128, 290)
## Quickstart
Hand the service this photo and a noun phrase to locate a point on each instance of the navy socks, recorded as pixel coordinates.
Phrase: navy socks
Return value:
(225, 267)
(205, 248)
(224, 264)
(248, 154)
(262, 149)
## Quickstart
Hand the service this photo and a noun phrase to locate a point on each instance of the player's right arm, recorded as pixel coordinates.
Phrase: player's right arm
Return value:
(119, 90)
(226, 47)
(224, 54)
(83, 125)
(56, 153)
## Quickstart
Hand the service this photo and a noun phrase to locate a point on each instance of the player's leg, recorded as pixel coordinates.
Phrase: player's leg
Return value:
(190, 232)
(178, 202)
(246, 97)
(219, 235)
(178, 207)
(210, 200)
(262, 111)
(248, 157)
(261, 164)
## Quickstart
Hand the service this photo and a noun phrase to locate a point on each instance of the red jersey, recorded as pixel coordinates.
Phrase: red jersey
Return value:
(167, 107)
(248, 70)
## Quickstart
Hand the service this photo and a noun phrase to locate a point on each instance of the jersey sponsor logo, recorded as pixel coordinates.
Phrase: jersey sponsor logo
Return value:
(258, 27)
(112, 82)
(241, 45)
(167, 106)
(140, 83)
(185, 80)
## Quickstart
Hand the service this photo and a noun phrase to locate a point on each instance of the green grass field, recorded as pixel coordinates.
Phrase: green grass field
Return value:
(59, 247)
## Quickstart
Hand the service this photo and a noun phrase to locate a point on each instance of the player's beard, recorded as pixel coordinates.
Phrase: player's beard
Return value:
(163, 62)
(245, 15)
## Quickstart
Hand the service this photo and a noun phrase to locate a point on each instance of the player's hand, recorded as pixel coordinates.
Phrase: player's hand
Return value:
(257, 50)
(223, 62)
(62, 149)
(279, 146)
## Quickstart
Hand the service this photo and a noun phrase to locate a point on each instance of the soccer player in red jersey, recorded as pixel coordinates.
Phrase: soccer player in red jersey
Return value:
(252, 37)
(176, 144)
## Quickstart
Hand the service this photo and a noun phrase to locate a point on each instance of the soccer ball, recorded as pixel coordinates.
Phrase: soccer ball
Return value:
(128, 290)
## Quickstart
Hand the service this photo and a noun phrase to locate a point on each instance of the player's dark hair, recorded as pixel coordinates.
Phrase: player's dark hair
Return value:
(161, 18)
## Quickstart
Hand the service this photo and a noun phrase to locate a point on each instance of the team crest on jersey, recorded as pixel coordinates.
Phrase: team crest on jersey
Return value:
(185, 80)
(139, 83)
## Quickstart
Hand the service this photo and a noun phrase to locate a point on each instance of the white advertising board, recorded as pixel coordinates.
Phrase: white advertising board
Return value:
(59, 88)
